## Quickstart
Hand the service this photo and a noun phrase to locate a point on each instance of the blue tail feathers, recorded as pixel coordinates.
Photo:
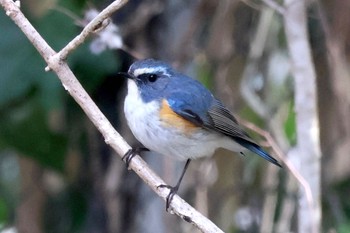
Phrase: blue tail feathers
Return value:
(258, 150)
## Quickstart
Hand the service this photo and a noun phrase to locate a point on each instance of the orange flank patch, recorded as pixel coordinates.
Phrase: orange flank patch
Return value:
(172, 119)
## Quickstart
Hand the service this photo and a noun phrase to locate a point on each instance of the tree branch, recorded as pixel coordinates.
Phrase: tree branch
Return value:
(95, 24)
(251, 70)
(281, 155)
(57, 64)
(274, 5)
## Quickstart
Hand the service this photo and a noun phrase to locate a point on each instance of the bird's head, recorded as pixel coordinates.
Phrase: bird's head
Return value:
(150, 78)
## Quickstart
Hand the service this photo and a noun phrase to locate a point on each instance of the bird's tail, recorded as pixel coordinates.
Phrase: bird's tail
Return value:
(257, 150)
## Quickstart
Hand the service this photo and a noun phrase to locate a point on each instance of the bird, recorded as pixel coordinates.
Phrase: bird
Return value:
(175, 115)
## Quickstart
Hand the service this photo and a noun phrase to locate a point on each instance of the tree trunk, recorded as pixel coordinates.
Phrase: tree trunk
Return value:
(308, 145)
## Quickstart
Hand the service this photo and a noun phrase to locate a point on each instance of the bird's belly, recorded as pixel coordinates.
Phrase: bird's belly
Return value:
(146, 125)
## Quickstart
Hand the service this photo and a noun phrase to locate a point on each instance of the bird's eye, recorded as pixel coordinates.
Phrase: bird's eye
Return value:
(152, 78)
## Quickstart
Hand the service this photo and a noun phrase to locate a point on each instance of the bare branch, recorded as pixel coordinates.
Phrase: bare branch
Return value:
(94, 25)
(112, 137)
(281, 155)
(251, 69)
(269, 3)
(274, 5)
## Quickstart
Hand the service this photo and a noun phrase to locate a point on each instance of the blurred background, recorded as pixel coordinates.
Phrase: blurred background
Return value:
(58, 175)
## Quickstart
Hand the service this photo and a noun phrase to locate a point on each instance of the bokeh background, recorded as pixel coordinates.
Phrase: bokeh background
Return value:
(58, 175)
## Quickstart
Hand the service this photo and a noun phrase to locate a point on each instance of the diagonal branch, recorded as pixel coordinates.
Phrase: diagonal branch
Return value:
(274, 5)
(281, 155)
(112, 137)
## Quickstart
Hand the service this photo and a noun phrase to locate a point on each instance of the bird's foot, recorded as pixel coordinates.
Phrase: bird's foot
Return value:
(131, 154)
(172, 192)
(174, 189)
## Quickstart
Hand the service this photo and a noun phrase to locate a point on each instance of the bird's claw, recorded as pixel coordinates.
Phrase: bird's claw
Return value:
(131, 154)
(172, 192)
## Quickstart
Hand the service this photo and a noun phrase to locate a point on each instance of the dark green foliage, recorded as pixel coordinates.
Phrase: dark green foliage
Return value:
(29, 97)
(289, 125)
(25, 130)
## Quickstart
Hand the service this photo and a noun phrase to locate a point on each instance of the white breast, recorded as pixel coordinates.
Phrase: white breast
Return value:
(146, 125)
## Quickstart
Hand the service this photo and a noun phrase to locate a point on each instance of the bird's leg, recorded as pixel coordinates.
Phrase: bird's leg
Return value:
(131, 154)
(174, 189)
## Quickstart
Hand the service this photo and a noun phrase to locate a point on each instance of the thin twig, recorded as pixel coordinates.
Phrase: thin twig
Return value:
(66, 12)
(270, 3)
(255, 53)
(91, 27)
(112, 137)
(278, 151)
(274, 5)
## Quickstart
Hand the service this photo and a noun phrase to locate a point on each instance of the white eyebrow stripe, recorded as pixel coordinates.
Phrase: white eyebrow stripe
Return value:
(148, 70)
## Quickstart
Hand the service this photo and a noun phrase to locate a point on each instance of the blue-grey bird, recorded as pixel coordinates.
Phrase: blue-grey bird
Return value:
(175, 115)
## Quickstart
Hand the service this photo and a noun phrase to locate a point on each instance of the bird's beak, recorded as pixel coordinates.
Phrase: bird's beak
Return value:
(126, 75)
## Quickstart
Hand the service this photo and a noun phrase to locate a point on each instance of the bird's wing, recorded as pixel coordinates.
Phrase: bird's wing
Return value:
(191, 102)
(223, 121)
(215, 116)
(220, 119)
